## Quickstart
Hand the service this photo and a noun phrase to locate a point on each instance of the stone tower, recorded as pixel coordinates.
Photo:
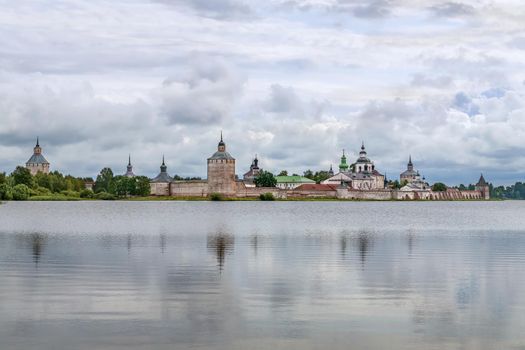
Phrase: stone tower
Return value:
(37, 162)
(221, 172)
(483, 187)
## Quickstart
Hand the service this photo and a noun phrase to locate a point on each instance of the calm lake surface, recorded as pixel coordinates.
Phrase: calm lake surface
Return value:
(262, 275)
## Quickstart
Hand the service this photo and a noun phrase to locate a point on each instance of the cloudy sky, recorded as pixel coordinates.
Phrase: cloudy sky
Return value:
(294, 81)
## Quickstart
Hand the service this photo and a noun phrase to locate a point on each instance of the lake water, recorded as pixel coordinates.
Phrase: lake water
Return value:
(262, 275)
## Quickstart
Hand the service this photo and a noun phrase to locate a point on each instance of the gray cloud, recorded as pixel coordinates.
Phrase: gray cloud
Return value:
(205, 96)
(283, 100)
(452, 9)
(220, 9)
(373, 9)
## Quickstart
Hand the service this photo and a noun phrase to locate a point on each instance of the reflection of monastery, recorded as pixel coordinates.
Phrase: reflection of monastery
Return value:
(360, 180)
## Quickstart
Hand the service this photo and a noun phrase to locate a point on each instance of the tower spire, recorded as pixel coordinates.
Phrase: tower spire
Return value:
(37, 142)
(129, 172)
(163, 160)
(222, 146)
(343, 166)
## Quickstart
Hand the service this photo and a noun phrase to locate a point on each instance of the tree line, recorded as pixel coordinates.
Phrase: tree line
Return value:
(21, 185)
(108, 186)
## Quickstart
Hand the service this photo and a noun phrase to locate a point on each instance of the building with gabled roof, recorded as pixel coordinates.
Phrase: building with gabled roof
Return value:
(291, 182)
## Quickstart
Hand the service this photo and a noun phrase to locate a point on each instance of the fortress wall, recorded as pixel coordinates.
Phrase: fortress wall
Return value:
(197, 188)
(365, 195)
(310, 194)
(246, 192)
(159, 188)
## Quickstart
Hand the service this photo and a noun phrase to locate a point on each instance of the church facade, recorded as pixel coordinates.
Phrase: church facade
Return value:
(361, 175)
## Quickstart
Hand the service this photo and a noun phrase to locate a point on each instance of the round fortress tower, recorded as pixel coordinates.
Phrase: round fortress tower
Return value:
(221, 171)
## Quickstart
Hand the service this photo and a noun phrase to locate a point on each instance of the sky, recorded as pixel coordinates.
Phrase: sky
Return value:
(293, 81)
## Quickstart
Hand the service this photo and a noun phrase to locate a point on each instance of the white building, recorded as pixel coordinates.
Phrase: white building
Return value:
(361, 175)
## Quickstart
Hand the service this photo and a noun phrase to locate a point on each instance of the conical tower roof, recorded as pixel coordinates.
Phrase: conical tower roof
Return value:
(163, 175)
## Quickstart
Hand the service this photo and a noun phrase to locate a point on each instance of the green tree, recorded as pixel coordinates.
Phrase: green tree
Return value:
(394, 184)
(21, 192)
(320, 176)
(104, 182)
(124, 186)
(142, 187)
(309, 174)
(265, 179)
(283, 173)
(86, 193)
(6, 192)
(22, 176)
(439, 187)
(3, 178)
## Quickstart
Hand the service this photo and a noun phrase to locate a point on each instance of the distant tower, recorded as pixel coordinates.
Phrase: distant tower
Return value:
(343, 166)
(410, 174)
(37, 162)
(255, 166)
(129, 172)
(483, 187)
(221, 171)
(253, 172)
(331, 171)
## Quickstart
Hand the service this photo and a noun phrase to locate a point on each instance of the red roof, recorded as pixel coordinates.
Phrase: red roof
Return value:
(316, 187)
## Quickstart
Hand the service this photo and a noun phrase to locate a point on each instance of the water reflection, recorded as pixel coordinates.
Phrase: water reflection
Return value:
(162, 242)
(252, 286)
(37, 243)
(364, 241)
(220, 244)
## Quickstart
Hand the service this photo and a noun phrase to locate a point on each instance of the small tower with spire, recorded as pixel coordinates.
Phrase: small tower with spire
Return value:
(410, 166)
(129, 172)
(160, 185)
(331, 171)
(37, 162)
(343, 166)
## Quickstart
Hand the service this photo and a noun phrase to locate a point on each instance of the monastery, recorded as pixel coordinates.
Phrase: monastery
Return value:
(360, 180)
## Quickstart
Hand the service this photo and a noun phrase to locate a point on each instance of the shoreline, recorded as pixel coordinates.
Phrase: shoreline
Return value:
(241, 199)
